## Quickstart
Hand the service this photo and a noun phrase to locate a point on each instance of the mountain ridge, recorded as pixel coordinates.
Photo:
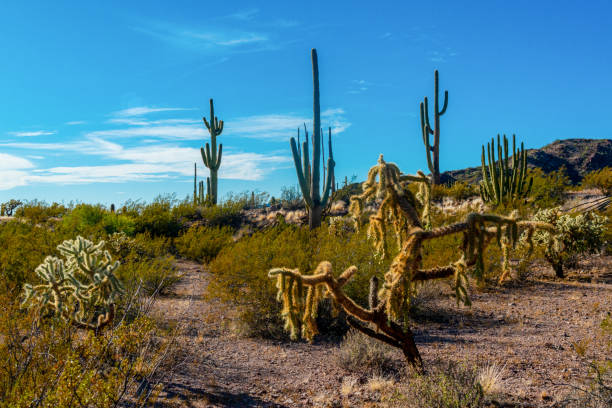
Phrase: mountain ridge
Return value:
(579, 156)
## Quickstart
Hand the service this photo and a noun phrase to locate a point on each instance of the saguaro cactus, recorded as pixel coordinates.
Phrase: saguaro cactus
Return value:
(433, 151)
(385, 318)
(82, 290)
(308, 176)
(211, 156)
(503, 183)
(200, 196)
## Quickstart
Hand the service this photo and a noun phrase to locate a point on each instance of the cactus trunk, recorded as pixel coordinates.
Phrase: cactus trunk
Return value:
(433, 151)
(211, 156)
(309, 174)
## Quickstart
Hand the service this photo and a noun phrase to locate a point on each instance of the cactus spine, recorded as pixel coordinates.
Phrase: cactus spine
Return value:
(309, 176)
(433, 151)
(211, 156)
(502, 182)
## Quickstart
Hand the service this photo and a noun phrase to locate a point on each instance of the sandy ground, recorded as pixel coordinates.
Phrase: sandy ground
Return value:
(530, 328)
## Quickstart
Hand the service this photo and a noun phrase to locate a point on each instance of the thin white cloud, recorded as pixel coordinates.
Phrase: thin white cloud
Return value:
(145, 122)
(282, 127)
(145, 110)
(358, 86)
(177, 132)
(247, 14)
(33, 133)
(76, 122)
(222, 38)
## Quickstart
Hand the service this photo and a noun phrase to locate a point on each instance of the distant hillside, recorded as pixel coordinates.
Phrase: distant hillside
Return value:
(579, 156)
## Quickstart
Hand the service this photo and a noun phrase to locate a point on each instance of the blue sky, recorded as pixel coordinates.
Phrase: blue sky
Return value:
(102, 101)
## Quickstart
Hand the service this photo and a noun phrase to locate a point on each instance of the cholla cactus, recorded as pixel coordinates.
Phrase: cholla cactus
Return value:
(389, 305)
(81, 290)
(574, 234)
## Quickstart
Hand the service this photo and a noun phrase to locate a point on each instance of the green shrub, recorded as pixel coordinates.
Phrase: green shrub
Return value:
(146, 262)
(239, 274)
(224, 214)
(548, 190)
(23, 247)
(575, 234)
(39, 212)
(203, 243)
(458, 191)
(49, 364)
(158, 219)
(601, 179)
(446, 385)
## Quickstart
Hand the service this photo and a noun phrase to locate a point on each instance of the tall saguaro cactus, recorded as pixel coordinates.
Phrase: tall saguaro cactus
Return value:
(433, 151)
(211, 156)
(503, 183)
(309, 175)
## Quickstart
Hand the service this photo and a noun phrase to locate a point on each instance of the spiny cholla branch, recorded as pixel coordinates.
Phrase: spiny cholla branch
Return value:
(389, 305)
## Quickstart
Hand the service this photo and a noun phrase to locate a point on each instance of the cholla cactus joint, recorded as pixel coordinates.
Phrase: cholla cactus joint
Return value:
(82, 289)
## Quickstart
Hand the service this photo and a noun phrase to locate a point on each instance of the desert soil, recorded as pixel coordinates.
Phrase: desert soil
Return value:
(530, 328)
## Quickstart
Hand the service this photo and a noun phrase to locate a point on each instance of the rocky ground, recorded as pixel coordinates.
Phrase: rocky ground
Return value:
(532, 329)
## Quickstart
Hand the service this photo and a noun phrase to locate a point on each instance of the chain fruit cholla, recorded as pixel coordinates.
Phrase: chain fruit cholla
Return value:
(82, 289)
(385, 317)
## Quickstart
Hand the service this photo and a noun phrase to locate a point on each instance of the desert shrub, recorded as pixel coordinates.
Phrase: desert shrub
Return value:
(359, 353)
(548, 190)
(458, 191)
(85, 219)
(152, 275)
(146, 262)
(50, 364)
(597, 393)
(203, 243)
(291, 198)
(575, 234)
(601, 179)
(157, 218)
(23, 247)
(239, 274)
(39, 212)
(224, 214)
(446, 385)
(7, 208)
(187, 211)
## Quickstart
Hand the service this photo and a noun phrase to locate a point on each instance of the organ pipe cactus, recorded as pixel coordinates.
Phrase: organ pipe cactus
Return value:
(309, 174)
(385, 318)
(82, 289)
(502, 182)
(433, 151)
(211, 155)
